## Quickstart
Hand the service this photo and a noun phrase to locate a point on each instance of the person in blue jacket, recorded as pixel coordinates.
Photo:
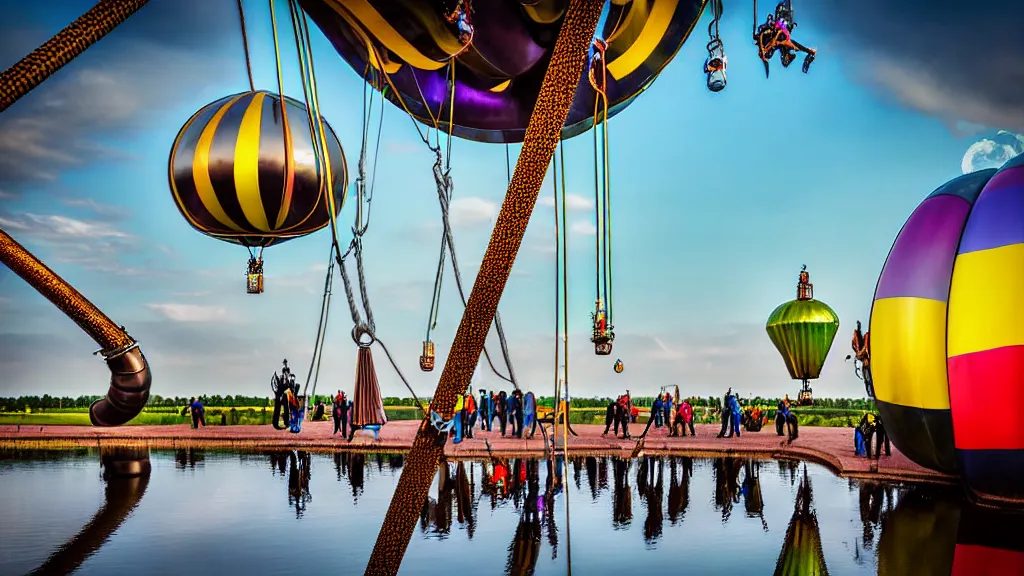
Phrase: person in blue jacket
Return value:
(667, 408)
(657, 411)
(485, 410)
(530, 413)
(734, 408)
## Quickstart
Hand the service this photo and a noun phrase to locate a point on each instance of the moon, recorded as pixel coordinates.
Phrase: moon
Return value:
(992, 152)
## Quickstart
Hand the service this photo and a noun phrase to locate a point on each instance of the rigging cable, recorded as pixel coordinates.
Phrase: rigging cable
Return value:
(245, 46)
(321, 331)
(320, 149)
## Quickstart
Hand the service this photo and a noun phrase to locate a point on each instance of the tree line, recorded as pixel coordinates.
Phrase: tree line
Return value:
(47, 402)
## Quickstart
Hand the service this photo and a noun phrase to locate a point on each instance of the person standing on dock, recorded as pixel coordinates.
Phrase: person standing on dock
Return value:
(666, 406)
(198, 413)
(726, 413)
(469, 411)
(485, 410)
(340, 412)
(657, 411)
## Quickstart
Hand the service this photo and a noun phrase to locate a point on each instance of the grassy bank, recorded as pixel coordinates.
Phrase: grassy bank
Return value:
(162, 416)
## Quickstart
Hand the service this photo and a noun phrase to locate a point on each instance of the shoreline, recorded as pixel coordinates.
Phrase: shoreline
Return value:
(830, 447)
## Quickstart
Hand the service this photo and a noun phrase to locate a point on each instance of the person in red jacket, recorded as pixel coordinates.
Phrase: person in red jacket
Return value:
(683, 420)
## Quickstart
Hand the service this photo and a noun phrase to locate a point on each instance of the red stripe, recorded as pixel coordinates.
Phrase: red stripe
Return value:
(985, 388)
(972, 560)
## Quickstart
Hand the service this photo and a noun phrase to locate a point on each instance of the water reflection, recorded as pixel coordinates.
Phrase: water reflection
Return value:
(126, 473)
(885, 529)
(801, 550)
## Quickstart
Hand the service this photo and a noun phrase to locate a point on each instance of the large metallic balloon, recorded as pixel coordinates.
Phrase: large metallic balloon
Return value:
(501, 49)
(244, 170)
(947, 337)
(802, 330)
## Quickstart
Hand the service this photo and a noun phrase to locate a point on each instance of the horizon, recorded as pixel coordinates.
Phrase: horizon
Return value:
(710, 228)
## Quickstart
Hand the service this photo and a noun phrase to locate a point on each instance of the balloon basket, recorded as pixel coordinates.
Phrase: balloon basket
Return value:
(254, 277)
(427, 358)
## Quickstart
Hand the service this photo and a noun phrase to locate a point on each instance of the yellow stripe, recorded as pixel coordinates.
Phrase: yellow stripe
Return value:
(247, 165)
(389, 68)
(987, 300)
(654, 31)
(502, 87)
(908, 352)
(388, 36)
(201, 168)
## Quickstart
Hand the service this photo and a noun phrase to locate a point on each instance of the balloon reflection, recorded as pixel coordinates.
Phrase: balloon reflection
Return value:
(801, 550)
(126, 472)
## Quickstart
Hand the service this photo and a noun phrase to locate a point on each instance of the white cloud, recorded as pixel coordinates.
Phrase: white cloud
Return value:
(583, 228)
(573, 202)
(664, 352)
(5, 195)
(191, 313)
(96, 207)
(471, 210)
(992, 152)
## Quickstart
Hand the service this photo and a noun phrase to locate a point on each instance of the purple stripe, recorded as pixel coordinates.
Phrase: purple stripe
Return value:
(920, 264)
(998, 216)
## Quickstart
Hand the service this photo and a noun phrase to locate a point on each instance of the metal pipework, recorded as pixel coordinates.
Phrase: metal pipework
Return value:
(130, 376)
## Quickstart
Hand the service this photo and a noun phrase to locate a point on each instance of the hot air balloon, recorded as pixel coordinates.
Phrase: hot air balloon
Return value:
(619, 367)
(803, 330)
(947, 342)
(244, 170)
(500, 50)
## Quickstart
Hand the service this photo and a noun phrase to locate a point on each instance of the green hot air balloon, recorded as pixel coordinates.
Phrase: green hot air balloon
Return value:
(803, 330)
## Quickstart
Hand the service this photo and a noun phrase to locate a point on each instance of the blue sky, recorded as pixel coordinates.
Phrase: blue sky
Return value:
(710, 225)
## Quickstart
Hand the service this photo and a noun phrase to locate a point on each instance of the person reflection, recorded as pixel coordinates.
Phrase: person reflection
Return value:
(753, 501)
(788, 469)
(436, 515)
(188, 458)
(591, 465)
(298, 481)
(495, 480)
(525, 546)
(871, 496)
(553, 487)
(380, 462)
(679, 488)
(279, 462)
(356, 469)
(727, 475)
(577, 466)
(126, 472)
(340, 464)
(464, 499)
(651, 489)
(602, 474)
(622, 498)
(395, 462)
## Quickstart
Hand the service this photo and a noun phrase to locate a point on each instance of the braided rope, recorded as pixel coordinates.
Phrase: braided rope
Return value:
(63, 47)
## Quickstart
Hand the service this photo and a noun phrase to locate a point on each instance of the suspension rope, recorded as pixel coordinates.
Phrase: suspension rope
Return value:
(245, 46)
(360, 328)
(321, 330)
(602, 185)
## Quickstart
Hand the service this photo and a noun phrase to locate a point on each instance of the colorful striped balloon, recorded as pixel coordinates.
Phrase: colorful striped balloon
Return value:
(947, 337)
(244, 170)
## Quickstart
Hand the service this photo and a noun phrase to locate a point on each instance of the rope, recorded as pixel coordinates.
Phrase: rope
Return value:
(63, 47)
(245, 46)
(307, 70)
(321, 330)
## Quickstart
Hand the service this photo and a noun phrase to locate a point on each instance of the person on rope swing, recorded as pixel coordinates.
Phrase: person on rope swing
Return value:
(340, 412)
(684, 419)
(469, 414)
(726, 413)
(515, 412)
(657, 411)
(485, 410)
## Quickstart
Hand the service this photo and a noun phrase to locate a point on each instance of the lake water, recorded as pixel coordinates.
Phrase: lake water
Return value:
(276, 513)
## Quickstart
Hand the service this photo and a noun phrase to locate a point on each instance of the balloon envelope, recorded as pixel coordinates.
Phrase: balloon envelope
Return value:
(498, 74)
(802, 331)
(244, 170)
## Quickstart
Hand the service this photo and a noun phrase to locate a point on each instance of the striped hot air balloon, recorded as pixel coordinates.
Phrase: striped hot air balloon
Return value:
(947, 332)
(245, 170)
(802, 330)
(501, 50)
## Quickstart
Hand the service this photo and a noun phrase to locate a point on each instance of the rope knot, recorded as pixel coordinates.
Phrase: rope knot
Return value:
(360, 330)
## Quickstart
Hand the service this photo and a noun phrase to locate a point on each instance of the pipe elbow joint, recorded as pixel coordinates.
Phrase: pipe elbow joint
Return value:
(130, 381)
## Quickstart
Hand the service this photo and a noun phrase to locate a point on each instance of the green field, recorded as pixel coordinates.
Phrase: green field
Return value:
(167, 415)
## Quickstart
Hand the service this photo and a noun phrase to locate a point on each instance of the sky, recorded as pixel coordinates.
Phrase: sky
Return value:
(718, 199)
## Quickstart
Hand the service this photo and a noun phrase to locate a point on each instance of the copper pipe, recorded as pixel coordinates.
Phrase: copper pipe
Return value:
(127, 475)
(130, 376)
(542, 135)
(43, 62)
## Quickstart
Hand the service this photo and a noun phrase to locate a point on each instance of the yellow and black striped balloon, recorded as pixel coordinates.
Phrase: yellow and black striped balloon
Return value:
(244, 170)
